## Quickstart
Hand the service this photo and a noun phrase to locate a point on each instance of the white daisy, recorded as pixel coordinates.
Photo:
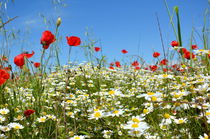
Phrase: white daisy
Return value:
(180, 120)
(5, 128)
(2, 119)
(42, 119)
(16, 126)
(4, 111)
(78, 137)
(97, 114)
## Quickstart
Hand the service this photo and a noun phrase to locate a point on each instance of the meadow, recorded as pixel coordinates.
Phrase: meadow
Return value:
(96, 99)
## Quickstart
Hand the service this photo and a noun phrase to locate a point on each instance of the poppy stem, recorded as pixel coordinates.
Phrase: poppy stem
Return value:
(69, 54)
(42, 56)
(56, 48)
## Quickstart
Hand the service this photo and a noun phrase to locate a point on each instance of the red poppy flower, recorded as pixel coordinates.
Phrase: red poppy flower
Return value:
(7, 68)
(4, 58)
(36, 64)
(19, 59)
(165, 69)
(4, 76)
(163, 62)
(153, 67)
(182, 50)
(111, 67)
(137, 68)
(174, 43)
(73, 40)
(156, 54)
(209, 55)
(181, 70)
(2, 81)
(188, 55)
(27, 113)
(194, 46)
(46, 39)
(174, 66)
(112, 64)
(135, 63)
(124, 51)
(117, 64)
(97, 49)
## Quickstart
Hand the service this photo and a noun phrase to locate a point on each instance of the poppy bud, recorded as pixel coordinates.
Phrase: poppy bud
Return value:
(58, 22)
(176, 9)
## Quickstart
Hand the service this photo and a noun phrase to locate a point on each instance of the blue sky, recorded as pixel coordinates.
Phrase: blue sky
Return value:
(116, 24)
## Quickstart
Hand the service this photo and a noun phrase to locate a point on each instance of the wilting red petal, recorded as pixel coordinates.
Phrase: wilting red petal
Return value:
(19, 59)
(28, 55)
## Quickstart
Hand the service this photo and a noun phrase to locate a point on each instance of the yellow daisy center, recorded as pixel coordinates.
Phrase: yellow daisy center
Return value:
(97, 114)
(111, 92)
(3, 112)
(17, 127)
(177, 95)
(206, 137)
(116, 112)
(69, 113)
(154, 98)
(150, 93)
(42, 119)
(69, 101)
(165, 75)
(181, 121)
(136, 120)
(145, 111)
(207, 113)
(166, 115)
(134, 125)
